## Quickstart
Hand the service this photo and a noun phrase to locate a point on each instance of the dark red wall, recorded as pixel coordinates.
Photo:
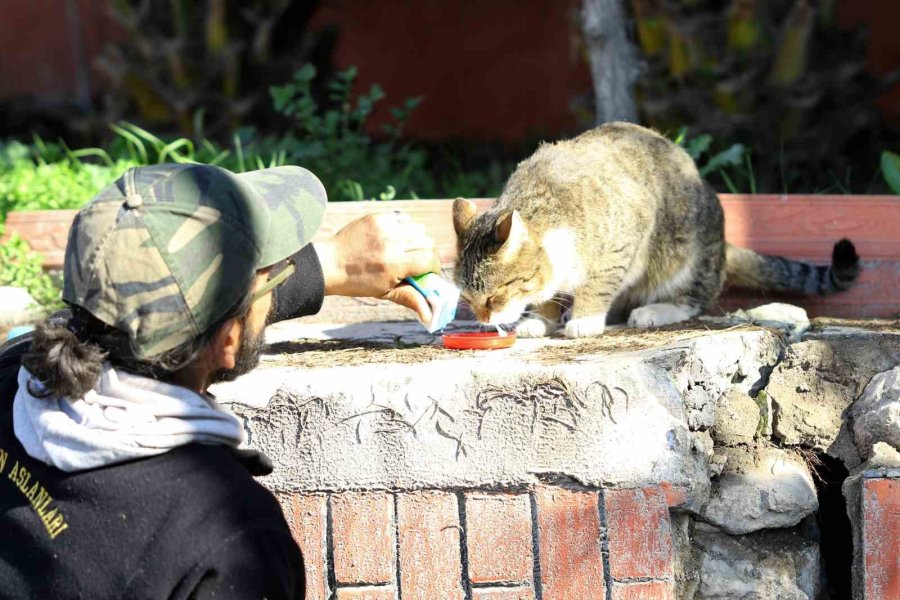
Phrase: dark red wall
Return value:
(881, 17)
(488, 69)
(38, 57)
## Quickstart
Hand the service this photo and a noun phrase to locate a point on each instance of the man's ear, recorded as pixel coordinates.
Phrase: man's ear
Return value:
(224, 346)
(463, 213)
(511, 231)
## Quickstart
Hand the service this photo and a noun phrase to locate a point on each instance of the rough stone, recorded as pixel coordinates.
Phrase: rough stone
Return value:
(685, 556)
(876, 414)
(17, 307)
(699, 377)
(771, 489)
(738, 418)
(778, 564)
(818, 379)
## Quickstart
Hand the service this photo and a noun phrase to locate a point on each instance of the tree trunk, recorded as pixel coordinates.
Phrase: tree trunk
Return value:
(614, 62)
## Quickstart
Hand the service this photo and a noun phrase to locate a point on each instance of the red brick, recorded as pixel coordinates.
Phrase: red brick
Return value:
(499, 537)
(881, 538)
(430, 564)
(366, 593)
(650, 590)
(640, 536)
(305, 515)
(520, 593)
(676, 495)
(569, 544)
(363, 537)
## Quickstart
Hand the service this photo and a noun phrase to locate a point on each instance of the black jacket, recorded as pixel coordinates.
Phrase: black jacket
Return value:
(190, 523)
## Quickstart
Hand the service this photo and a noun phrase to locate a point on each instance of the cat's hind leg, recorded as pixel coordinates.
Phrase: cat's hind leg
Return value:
(540, 321)
(676, 306)
(683, 300)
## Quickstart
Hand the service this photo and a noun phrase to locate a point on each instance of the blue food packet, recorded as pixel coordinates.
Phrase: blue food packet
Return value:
(441, 295)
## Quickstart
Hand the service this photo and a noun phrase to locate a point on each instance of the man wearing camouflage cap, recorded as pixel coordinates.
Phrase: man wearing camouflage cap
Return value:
(120, 476)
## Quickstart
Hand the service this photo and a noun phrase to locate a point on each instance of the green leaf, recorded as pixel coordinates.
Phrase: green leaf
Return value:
(98, 152)
(305, 74)
(171, 149)
(890, 166)
(698, 145)
(727, 158)
(281, 96)
(133, 142)
(389, 193)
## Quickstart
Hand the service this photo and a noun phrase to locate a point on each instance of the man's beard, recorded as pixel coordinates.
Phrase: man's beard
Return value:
(251, 346)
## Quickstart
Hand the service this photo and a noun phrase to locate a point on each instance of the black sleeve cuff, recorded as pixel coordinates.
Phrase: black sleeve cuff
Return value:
(303, 292)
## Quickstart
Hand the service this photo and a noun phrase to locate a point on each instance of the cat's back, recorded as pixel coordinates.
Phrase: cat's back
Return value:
(610, 157)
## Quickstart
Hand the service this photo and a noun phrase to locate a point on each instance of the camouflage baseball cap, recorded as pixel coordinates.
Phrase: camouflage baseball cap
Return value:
(167, 250)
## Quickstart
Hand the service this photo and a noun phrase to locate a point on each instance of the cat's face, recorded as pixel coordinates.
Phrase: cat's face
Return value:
(500, 269)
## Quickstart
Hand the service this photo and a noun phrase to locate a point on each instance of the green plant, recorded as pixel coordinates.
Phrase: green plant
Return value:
(733, 164)
(145, 148)
(49, 176)
(784, 78)
(890, 168)
(332, 141)
(175, 58)
(20, 267)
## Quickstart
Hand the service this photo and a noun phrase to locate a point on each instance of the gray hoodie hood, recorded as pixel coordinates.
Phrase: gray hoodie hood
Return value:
(124, 417)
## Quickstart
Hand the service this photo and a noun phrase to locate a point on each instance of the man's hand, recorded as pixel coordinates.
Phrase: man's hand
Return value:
(371, 256)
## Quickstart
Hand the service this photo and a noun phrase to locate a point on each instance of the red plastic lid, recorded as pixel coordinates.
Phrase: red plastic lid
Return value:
(478, 340)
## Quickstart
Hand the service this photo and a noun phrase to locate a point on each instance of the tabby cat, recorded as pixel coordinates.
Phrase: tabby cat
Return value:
(616, 223)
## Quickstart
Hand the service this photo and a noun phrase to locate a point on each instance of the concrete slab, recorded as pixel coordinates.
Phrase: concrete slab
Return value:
(382, 405)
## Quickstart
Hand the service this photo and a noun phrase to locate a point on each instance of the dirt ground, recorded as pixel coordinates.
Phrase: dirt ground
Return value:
(820, 323)
(310, 354)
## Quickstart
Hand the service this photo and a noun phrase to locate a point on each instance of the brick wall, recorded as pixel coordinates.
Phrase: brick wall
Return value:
(881, 538)
(545, 544)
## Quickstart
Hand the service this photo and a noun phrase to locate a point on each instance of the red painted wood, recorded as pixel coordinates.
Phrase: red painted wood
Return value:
(800, 227)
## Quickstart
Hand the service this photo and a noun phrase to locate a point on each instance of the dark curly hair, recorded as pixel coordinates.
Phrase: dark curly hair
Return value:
(67, 355)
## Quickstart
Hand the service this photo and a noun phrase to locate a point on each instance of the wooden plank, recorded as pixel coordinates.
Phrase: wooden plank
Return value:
(796, 226)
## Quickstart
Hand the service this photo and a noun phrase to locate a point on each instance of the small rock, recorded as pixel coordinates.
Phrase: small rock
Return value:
(792, 319)
(771, 489)
(779, 565)
(883, 456)
(717, 464)
(737, 418)
(16, 306)
(876, 414)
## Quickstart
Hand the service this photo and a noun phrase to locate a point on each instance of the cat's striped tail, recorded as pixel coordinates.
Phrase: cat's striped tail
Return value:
(748, 269)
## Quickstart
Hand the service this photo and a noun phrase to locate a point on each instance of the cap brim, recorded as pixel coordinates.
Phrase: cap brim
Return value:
(296, 201)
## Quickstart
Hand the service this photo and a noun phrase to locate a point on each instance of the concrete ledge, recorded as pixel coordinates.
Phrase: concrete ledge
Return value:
(387, 409)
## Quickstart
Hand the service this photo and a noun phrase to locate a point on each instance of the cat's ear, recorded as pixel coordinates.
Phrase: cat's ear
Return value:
(511, 232)
(463, 213)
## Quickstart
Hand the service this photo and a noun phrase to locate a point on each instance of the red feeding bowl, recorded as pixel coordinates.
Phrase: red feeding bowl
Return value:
(478, 340)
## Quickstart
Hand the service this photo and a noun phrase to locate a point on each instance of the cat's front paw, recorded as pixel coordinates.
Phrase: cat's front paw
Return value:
(532, 327)
(657, 315)
(585, 326)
